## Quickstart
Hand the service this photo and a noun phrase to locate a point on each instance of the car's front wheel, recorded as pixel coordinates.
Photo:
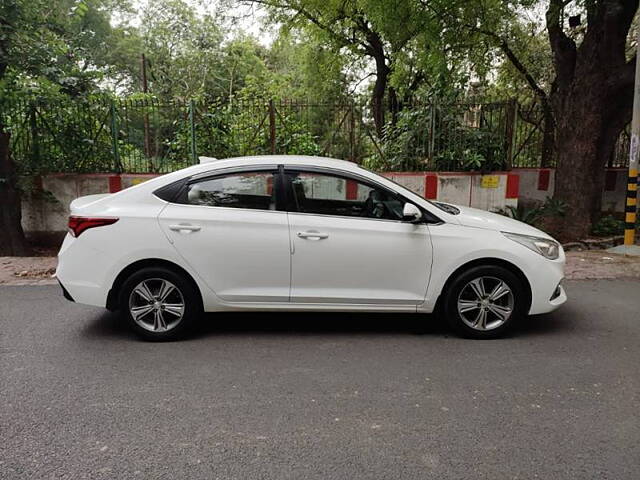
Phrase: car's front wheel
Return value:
(159, 304)
(484, 301)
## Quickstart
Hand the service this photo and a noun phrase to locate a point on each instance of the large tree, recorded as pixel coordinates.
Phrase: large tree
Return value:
(364, 29)
(592, 98)
(588, 99)
(44, 46)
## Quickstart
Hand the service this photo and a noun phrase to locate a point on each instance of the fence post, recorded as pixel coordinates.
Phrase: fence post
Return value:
(432, 140)
(35, 137)
(114, 136)
(272, 126)
(352, 133)
(511, 124)
(192, 132)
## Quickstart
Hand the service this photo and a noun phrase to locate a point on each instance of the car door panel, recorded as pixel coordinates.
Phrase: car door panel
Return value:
(349, 243)
(243, 254)
(358, 260)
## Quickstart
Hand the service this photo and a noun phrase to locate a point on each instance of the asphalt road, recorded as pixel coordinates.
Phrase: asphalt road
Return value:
(326, 396)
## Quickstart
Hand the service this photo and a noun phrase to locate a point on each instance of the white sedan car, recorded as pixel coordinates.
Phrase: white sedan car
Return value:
(301, 233)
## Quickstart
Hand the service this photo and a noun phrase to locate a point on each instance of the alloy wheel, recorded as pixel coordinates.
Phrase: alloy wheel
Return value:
(156, 305)
(485, 303)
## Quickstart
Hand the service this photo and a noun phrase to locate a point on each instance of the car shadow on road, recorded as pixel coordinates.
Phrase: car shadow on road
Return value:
(112, 325)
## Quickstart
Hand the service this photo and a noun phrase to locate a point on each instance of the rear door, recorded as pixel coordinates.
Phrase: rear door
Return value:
(229, 229)
(350, 245)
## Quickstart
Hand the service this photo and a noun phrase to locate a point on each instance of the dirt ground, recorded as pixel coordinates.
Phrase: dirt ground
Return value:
(581, 265)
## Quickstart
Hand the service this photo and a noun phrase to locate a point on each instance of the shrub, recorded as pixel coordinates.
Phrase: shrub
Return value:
(608, 226)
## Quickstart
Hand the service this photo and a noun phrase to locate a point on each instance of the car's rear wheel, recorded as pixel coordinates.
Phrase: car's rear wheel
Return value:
(159, 304)
(484, 302)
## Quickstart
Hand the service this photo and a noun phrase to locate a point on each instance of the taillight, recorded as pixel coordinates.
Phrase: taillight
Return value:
(77, 225)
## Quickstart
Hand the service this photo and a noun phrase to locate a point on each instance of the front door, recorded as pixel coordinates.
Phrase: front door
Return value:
(350, 245)
(228, 229)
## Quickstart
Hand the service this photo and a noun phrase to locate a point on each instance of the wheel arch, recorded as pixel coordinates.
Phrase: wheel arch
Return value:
(114, 292)
(489, 261)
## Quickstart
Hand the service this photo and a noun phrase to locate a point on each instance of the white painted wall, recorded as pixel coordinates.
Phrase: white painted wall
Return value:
(612, 200)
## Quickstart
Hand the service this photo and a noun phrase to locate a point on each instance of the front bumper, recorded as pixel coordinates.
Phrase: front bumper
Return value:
(547, 291)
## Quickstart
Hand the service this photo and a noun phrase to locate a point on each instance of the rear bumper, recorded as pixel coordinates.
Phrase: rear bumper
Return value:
(65, 292)
(82, 274)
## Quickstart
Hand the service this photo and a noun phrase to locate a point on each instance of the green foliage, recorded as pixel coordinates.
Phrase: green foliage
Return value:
(554, 207)
(418, 141)
(551, 208)
(526, 215)
(608, 226)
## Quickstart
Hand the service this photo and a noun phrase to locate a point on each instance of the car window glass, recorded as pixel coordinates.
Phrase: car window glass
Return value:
(239, 190)
(334, 195)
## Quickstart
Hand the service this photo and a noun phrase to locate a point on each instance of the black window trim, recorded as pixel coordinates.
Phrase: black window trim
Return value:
(223, 172)
(284, 189)
(428, 218)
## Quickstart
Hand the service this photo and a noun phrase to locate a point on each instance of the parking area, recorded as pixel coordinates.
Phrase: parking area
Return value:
(292, 396)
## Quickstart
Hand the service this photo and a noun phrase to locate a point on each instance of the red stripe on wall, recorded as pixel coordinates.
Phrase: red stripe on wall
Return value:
(352, 190)
(431, 187)
(115, 183)
(543, 179)
(513, 185)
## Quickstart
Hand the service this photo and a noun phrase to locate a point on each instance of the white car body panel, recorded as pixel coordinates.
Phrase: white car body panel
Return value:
(253, 259)
(353, 264)
(259, 272)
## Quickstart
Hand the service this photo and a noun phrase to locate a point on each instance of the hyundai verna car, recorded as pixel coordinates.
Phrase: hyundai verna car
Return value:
(302, 234)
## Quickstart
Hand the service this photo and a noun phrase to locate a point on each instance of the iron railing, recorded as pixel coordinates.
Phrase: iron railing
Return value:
(142, 135)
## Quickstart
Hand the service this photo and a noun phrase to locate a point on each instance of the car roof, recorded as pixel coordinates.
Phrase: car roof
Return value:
(309, 160)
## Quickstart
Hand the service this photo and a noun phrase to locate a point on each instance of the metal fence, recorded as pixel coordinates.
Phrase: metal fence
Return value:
(147, 135)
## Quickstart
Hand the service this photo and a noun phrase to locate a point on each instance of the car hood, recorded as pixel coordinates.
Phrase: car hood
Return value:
(474, 217)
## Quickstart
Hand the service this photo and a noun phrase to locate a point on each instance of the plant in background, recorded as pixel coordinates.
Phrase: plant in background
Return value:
(553, 207)
(543, 216)
(608, 226)
(526, 215)
(405, 144)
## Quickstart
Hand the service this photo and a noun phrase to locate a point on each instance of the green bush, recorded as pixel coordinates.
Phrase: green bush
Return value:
(608, 226)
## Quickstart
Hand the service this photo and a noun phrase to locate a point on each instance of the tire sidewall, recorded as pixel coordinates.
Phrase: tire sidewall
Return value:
(451, 301)
(191, 299)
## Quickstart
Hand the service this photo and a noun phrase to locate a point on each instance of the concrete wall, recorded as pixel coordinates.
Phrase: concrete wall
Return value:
(537, 184)
(45, 210)
(489, 192)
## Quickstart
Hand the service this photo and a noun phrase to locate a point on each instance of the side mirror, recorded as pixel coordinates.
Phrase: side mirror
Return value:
(411, 213)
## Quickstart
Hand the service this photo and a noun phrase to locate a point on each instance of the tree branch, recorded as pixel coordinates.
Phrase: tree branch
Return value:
(300, 10)
(562, 47)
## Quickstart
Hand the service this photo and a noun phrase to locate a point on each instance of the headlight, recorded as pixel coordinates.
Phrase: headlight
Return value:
(545, 247)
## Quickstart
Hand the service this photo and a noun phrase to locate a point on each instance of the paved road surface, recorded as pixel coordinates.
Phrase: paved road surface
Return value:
(326, 396)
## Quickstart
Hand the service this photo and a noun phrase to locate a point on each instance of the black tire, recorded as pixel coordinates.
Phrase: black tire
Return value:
(153, 278)
(491, 275)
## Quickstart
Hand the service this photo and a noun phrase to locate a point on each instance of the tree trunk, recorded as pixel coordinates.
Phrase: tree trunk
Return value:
(589, 122)
(591, 96)
(377, 95)
(579, 175)
(12, 240)
(548, 138)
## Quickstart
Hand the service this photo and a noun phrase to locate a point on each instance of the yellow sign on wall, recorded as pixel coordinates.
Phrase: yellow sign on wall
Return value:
(489, 181)
(137, 181)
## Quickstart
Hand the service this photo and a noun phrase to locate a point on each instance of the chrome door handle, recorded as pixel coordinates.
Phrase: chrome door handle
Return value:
(313, 235)
(184, 228)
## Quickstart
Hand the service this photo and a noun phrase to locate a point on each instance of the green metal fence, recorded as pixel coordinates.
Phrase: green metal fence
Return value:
(149, 135)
